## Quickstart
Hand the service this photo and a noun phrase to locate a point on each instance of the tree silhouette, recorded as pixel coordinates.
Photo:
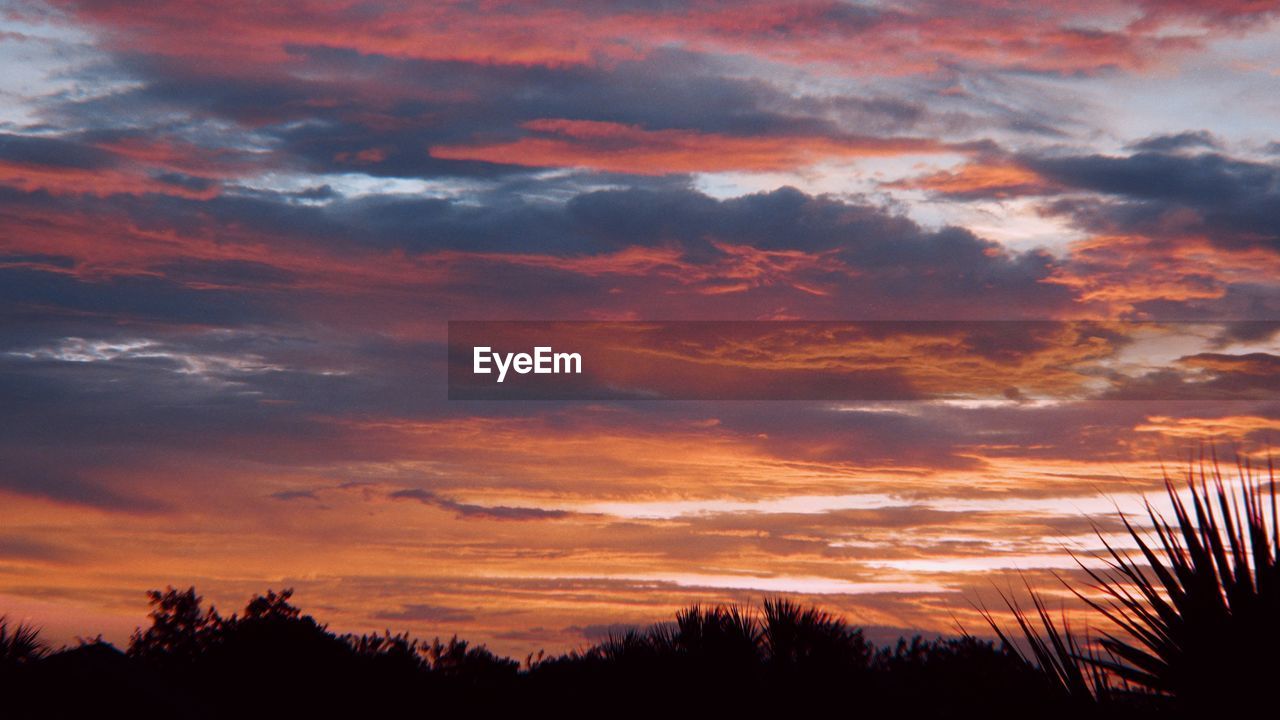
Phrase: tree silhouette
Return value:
(180, 629)
(272, 606)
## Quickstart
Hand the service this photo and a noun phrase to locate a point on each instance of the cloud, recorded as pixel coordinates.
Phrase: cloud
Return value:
(486, 512)
(19, 548)
(1247, 331)
(630, 149)
(1174, 228)
(998, 180)
(424, 613)
(1210, 183)
(71, 478)
(288, 495)
(1189, 140)
(53, 153)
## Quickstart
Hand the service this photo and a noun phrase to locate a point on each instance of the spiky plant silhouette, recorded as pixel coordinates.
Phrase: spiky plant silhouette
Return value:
(808, 641)
(724, 628)
(1196, 608)
(1068, 663)
(19, 643)
(1201, 620)
(721, 644)
(636, 645)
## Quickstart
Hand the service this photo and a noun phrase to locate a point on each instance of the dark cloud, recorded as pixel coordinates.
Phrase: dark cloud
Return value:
(58, 296)
(1234, 203)
(187, 182)
(52, 152)
(1202, 180)
(288, 495)
(347, 110)
(211, 274)
(426, 613)
(486, 512)
(15, 547)
(1188, 140)
(66, 474)
(1251, 375)
(1257, 363)
(868, 238)
(1247, 331)
(903, 269)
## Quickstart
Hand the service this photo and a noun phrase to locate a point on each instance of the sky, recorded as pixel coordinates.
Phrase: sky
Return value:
(232, 235)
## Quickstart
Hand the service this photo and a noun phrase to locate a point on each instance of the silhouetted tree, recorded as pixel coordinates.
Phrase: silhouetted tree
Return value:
(272, 606)
(180, 629)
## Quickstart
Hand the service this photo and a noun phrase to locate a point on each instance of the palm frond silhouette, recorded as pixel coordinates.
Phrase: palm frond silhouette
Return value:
(1200, 612)
(19, 643)
(1195, 611)
(1068, 663)
(810, 642)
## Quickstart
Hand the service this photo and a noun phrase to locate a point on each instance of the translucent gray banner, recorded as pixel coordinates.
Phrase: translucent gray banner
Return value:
(1013, 361)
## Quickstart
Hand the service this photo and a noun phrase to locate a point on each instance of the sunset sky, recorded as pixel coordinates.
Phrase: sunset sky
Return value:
(232, 234)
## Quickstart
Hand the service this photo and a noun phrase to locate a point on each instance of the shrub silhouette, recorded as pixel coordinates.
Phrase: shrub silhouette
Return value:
(936, 677)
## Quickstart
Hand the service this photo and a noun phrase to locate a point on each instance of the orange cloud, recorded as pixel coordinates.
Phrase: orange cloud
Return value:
(979, 179)
(1125, 270)
(615, 147)
(1228, 427)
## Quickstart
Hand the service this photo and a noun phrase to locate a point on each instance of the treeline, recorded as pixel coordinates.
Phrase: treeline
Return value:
(273, 660)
